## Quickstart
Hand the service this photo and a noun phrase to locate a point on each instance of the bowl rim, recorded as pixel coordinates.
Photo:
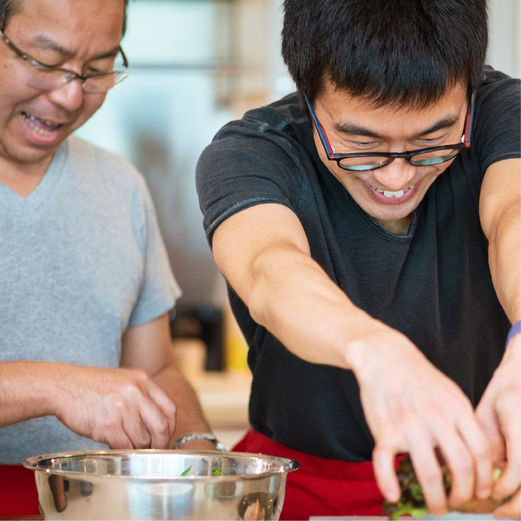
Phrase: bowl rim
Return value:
(32, 463)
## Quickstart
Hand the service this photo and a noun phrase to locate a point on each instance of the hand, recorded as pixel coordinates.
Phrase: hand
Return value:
(123, 408)
(410, 406)
(499, 414)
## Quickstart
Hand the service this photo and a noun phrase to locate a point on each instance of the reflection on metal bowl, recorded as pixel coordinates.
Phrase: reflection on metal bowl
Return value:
(153, 484)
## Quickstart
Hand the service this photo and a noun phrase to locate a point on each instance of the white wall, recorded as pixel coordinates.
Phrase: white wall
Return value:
(504, 50)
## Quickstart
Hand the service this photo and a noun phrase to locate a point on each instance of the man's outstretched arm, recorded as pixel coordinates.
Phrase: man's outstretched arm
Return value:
(409, 405)
(499, 411)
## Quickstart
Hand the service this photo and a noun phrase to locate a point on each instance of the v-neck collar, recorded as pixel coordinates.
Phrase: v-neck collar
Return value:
(44, 189)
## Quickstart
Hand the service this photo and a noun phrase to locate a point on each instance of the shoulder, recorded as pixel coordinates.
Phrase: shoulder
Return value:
(275, 137)
(497, 89)
(496, 126)
(279, 120)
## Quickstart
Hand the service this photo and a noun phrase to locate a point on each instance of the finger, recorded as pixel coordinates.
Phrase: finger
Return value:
(117, 439)
(136, 430)
(510, 509)
(456, 456)
(511, 478)
(128, 423)
(165, 404)
(467, 453)
(461, 467)
(108, 428)
(156, 424)
(386, 479)
(430, 476)
(480, 450)
(488, 421)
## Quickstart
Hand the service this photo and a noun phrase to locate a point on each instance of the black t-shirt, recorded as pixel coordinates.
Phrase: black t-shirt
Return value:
(433, 285)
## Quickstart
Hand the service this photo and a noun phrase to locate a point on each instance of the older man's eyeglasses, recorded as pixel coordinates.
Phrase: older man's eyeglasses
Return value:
(357, 162)
(47, 77)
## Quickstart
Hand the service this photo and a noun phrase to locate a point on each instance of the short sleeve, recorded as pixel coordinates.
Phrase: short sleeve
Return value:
(244, 166)
(496, 129)
(159, 289)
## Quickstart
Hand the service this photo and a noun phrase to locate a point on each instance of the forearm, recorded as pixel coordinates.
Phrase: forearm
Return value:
(295, 300)
(25, 390)
(287, 291)
(190, 416)
(500, 214)
(505, 262)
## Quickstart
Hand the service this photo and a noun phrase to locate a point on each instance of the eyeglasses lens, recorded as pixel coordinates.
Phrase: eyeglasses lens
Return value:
(363, 163)
(52, 79)
(46, 79)
(434, 158)
(360, 164)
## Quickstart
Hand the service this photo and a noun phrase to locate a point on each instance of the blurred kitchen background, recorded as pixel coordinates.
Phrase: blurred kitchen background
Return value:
(195, 65)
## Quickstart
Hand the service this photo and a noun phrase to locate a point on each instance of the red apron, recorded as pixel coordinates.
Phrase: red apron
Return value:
(18, 494)
(320, 486)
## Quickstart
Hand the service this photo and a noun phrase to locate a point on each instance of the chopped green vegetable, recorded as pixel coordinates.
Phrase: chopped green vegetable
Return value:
(412, 501)
(215, 472)
(186, 471)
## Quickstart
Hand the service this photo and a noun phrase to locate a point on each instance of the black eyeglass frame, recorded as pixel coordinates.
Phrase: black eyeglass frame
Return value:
(391, 156)
(71, 74)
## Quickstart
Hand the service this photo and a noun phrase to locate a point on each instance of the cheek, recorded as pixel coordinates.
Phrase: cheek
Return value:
(91, 103)
(13, 90)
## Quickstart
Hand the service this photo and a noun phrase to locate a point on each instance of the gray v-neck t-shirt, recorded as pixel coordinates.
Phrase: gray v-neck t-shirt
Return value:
(81, 260)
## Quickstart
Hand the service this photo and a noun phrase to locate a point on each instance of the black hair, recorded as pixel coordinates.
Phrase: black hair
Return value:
(398, 52)
(9, 7)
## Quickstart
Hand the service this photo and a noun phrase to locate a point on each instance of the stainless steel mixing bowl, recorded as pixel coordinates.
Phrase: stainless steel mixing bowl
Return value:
(149, 484)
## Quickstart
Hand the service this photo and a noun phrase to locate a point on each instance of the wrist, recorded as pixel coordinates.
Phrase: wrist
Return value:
(514, 331)
(199, 436)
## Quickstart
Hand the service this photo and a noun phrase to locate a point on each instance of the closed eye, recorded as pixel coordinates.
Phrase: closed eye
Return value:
(363, 144)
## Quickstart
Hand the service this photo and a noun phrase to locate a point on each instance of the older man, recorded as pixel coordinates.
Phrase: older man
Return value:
(85, 282)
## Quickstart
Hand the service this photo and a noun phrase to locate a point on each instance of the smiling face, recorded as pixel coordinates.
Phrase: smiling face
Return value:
(389, 194)
(72, 34)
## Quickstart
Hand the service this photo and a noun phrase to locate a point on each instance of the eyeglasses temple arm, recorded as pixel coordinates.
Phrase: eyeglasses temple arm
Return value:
(321, 133)
(125, 61)
(470, 118)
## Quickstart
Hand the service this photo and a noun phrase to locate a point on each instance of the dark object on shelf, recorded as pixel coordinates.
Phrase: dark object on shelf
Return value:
(206, 324)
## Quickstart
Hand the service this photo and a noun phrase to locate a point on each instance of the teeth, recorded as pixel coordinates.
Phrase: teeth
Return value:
(31, 120)
(389, 194)
(394, 194)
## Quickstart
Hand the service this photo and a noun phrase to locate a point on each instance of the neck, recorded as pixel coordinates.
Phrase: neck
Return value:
(23, 178)
(399, 227)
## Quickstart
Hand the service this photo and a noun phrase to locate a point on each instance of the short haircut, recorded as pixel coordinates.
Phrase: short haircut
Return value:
(390, 52)
(10, 7)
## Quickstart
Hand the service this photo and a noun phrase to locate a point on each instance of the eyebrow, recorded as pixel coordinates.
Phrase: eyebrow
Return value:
(356, 130)
(44, 41)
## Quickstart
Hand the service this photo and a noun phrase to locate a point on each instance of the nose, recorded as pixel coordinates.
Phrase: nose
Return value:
(69, 97)
(397, 175)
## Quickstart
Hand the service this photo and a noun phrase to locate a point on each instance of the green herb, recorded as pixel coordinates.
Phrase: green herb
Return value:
(186, 471)
(412, 501)
(215, 472)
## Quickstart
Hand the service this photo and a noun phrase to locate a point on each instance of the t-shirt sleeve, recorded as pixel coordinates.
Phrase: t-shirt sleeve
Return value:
(243, 167)
(496, 129)
(159, 289)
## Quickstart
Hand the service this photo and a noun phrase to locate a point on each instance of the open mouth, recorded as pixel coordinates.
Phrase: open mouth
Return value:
(43, 127)
(392, 197)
